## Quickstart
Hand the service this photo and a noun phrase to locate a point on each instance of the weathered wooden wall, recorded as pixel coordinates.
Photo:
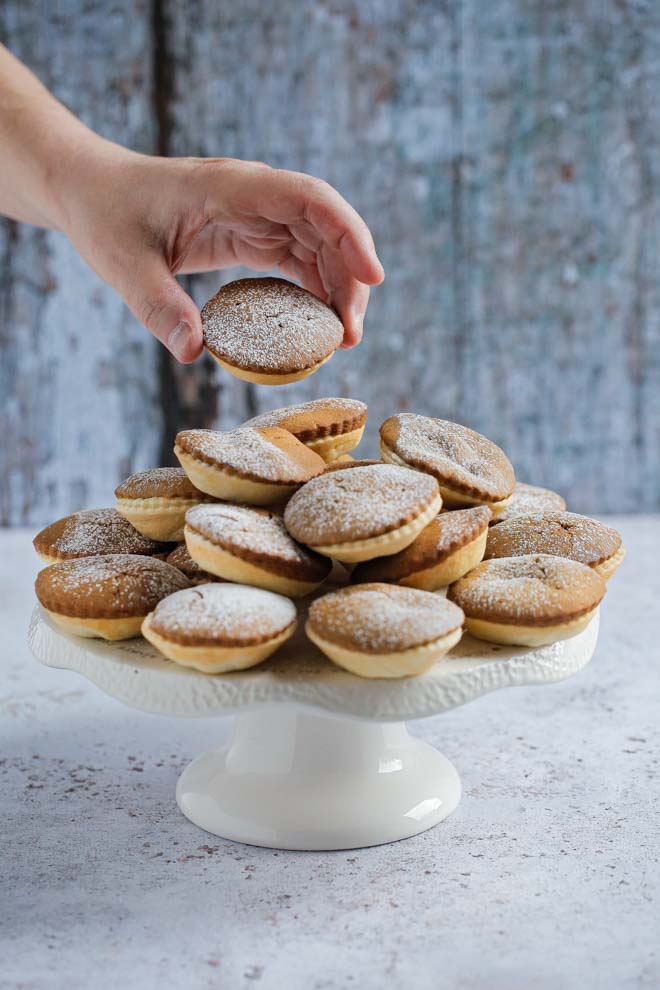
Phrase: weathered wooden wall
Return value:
(507, 157)
(78, 378)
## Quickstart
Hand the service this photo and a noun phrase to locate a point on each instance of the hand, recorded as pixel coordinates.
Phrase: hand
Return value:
(139, 221)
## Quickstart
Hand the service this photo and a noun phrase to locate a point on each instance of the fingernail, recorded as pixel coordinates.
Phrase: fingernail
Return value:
(177, 340)
(358, 320)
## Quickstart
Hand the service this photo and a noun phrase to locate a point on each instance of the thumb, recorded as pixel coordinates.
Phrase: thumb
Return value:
(155, 297)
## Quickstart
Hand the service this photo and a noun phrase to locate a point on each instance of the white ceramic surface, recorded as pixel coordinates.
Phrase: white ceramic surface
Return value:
(298, 674)
(293, 780)
(319, 759)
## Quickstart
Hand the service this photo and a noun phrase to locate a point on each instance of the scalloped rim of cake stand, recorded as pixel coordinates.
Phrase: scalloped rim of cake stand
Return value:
(134, 673)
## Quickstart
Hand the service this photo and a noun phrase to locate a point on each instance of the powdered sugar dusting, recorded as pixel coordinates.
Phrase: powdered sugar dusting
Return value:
(257, 531)
(107, 586)
(270, 325)
(91, 533)
(453, 453)
(565, 534)
(442, 537)
(536, 589)
(453, 529)
(341, 407)
(380, 618)
(351, 505)
(527, 499)
(275, 456)
(223, 614)
(161, 482)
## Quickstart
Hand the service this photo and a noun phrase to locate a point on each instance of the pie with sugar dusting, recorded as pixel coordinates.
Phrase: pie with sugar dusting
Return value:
(470, 469)
(331, 427)
(217, 628)
(269, 331)
(255, 465)
(91, 533)
(564, 534)
(363, 513)
(252, 546)
(106, 596)
(528, 601)
(382, 630)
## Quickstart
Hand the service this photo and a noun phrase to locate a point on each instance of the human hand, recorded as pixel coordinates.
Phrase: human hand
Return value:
(140, 220)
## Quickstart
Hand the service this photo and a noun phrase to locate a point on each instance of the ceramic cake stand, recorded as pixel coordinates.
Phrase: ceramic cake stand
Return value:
(319, 758)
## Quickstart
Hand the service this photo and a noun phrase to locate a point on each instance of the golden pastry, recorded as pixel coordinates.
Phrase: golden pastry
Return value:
(105, 597)
(330, 427)
(363, 513)
(470, 469)
(269, 331)
(382, 630)
(155, 502)
(91, 533)
(450, 546)
(527, 499)
(252, 546)
(564, 534)
(216, 628)
(256, 466)
(181, 559)
(528, 601)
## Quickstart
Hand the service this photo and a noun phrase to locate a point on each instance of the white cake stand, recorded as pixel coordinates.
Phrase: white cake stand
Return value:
(319, 758)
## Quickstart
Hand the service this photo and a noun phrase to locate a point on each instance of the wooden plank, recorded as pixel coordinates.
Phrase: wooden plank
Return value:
(360, 99)
(506, 159)
(562, 195)
(80, 405)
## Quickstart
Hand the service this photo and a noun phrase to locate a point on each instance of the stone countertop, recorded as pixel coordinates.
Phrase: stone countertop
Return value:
(547, 874)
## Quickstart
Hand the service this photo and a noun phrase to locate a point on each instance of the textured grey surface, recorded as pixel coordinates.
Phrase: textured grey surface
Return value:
(547, 875)
(507, 157)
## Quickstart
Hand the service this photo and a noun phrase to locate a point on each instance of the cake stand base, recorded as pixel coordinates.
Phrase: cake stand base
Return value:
(326, 761)
(293, 780)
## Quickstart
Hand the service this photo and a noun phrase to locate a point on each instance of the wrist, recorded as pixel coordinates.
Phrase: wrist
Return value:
(75, 162)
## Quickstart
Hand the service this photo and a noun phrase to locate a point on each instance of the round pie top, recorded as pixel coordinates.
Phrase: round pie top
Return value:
(316, 419)
(91, 533)
(270, 326)
(181, 559)
(342, 506)
(444, 535)
(110, 587)
(383, 618)
(163, 482)
(229, 615)
(270, 454)
(564, 534)
(536, 590)
(459, 458)
(259, 537)
(527, 499)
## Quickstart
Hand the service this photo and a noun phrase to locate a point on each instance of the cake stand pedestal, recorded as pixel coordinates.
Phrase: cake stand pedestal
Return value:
(294, 780)
(319, 758)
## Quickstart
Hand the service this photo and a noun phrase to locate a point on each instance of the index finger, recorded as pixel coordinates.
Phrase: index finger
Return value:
(298, 200)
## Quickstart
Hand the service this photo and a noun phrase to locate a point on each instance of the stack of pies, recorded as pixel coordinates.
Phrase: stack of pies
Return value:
(435, 539)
